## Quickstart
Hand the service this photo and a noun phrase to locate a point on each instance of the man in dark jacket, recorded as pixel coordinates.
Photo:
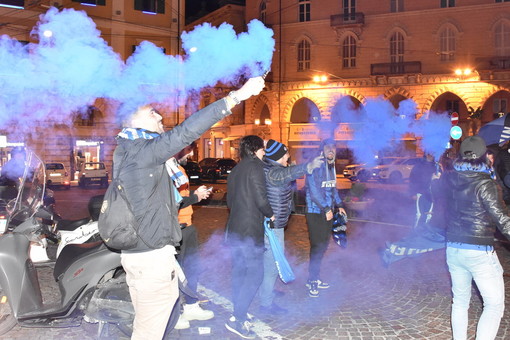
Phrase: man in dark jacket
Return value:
(474, 207)
(322, 200)
(248, 204)
(143, 148)
(279, 181)
(420, 179)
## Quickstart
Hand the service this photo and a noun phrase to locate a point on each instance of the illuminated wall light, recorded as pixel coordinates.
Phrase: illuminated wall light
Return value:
(257, 121)
(467, 72)
(193, 49)
(324, 78)
(48, 33)
(458, 72)
(268, 121)
(316, 79)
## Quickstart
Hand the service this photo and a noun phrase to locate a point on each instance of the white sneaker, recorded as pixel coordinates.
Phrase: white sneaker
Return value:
(182, 323)
(195, 312)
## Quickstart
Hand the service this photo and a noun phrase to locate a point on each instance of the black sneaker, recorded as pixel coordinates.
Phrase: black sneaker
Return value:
(274, 309)
(243, 329)
(313, 290)
(322, 284)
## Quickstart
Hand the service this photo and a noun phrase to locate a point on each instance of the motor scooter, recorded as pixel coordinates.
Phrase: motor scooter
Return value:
(90, 279)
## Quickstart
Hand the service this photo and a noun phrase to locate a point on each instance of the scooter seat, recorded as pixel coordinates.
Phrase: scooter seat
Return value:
(71, 225)
(71, 253)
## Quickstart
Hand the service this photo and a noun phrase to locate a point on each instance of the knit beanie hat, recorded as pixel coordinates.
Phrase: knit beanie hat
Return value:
(275, 150)
(473, 147)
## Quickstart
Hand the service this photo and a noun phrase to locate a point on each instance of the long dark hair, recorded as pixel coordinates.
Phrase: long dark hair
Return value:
(249, 145)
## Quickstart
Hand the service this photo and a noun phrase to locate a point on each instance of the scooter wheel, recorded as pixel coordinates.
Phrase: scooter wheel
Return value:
(7, 320)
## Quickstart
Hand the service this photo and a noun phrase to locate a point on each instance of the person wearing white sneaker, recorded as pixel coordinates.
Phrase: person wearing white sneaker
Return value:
(322, 199)
(188, 255)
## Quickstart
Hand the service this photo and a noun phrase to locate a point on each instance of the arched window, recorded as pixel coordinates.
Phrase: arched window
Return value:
(502, 39)
(397, 53)
(303, 55)
(447, 44)
(349, 52)
(262, 11)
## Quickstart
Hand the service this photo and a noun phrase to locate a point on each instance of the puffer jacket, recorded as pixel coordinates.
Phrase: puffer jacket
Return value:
(247, 201)
(279, 182)
(146, 182)
(474, 208)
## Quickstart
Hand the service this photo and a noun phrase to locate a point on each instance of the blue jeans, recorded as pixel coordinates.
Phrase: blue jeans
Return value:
(484, 268)
(266, 293)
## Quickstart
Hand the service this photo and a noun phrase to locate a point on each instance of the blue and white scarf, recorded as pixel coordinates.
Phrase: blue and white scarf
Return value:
(132, 134)
(172, 167)
(465, 166)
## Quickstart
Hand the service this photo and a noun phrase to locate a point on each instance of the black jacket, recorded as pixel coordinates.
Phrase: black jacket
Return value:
(147, 184)
(247, 201)
(279, 182)
(474, 208)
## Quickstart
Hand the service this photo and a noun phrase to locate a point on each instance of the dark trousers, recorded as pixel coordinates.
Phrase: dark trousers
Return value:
(319, 233)
(189, 260)
(247, 275)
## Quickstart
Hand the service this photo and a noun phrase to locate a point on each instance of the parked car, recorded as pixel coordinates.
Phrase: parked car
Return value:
(194, 171)
(357, 172)
(93, 173)
(396, 171)
(57, 175)
(216, 168)
(362, 172)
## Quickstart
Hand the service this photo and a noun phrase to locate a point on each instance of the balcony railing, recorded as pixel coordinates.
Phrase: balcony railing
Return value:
(395, 68)
(338, 20)
(493, 63)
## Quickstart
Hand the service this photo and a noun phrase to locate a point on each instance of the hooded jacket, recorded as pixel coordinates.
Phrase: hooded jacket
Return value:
(146, 182)
(474, 208)
(321, 192)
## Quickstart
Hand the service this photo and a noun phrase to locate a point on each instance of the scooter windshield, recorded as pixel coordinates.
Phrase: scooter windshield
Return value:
(31, 188)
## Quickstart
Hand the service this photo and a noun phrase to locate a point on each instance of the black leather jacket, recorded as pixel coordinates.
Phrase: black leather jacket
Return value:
(474, 208)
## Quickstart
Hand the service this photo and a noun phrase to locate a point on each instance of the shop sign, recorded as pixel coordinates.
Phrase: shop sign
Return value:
(303, 132)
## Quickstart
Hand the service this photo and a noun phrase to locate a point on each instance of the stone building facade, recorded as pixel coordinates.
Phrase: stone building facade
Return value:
(123, 25)
(447, 56)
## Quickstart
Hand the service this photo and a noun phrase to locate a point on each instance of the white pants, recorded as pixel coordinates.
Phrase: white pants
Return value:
(153, 286)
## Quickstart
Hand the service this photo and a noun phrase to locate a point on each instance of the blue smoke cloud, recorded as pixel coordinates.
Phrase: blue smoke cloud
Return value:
(72, 65)
(379, 127)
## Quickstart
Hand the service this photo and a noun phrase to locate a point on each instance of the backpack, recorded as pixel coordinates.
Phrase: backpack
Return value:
(117, 224)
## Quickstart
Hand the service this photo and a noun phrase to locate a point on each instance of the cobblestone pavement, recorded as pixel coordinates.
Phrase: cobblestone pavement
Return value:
(409, 300)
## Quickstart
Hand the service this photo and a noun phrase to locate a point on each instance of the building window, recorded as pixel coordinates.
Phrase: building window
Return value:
(304, 55)
(349, 52)
(304, 10)
(349, 7)
(502, 0)
(396, 6)
(91, 2)
(452, 106)
(150, 6)
(447, 44)
(18, 4)
(397, 52)
(447, 3)
(502, 39)
(500, 105)
(262, 11)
